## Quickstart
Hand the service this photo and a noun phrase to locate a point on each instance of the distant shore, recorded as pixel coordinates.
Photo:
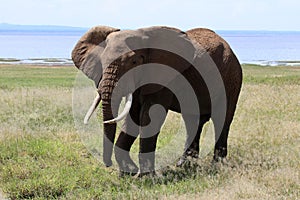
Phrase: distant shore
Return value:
(68, 61)
(37, 61)
(272, 63)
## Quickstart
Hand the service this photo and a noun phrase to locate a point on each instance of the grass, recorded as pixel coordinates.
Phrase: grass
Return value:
(43, 157)
(26, 76)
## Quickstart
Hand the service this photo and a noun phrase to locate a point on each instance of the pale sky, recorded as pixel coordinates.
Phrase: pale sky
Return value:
(184, 14)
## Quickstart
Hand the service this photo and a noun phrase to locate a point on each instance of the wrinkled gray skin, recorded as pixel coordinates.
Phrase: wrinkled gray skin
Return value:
(104, 54)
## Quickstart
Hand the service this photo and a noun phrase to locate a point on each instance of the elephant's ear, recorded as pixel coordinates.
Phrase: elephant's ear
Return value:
(86, 53)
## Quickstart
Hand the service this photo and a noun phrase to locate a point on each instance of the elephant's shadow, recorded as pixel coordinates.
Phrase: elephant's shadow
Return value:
(189, 170)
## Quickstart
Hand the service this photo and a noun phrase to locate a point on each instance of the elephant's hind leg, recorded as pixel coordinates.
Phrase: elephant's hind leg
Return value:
(194, 129)
(220, 151)
(221, 138)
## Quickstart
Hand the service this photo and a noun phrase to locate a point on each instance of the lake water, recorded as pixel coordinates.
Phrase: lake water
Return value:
(259, 47)
(266, 48)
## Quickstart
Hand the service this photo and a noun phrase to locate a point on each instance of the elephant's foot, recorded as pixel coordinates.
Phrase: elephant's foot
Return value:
(126, 164)
(146, 174)
(220, 153)
(186, 158)
(147, 163)
(128, 169)
(123, 174)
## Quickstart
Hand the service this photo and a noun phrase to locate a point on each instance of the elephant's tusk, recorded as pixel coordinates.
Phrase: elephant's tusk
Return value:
(124, 112)
(92, 108)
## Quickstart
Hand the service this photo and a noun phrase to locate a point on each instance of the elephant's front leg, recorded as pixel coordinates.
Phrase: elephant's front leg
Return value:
(129, 133)
(122, 149)
(152, 118)
(147, 154)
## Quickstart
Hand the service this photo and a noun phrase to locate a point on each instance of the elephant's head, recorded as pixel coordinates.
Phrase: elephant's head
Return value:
(104, 54)
(85, 54)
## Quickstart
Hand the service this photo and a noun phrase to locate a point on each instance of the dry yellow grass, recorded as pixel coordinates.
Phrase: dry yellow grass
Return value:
(266, 136)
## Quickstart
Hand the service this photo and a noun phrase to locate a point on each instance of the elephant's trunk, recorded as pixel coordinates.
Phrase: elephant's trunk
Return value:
(109, 109)
(109, 134)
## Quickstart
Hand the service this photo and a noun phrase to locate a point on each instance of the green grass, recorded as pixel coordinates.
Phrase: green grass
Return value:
(18, 76)
(43, 157)
(271, 75)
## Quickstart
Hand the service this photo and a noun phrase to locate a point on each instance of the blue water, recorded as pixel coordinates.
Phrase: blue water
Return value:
(264, 47)
(40, 44)
(259, 47)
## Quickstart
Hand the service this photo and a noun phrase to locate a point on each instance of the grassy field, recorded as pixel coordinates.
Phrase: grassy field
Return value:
(42, 156)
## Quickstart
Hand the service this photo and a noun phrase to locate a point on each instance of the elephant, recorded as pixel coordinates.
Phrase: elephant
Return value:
(113, 59)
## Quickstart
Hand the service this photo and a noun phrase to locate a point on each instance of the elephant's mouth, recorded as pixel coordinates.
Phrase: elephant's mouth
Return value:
(118, 118)
(124, 113)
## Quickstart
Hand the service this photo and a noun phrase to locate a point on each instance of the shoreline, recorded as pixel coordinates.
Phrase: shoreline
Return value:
(264, 63)
(37, 61)
(68, 62)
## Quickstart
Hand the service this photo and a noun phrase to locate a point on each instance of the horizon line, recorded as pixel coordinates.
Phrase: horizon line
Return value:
(14, 26)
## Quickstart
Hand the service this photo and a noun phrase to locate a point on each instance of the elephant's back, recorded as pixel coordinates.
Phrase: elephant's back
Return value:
(208, 39)
(222, 55)
(215, 45)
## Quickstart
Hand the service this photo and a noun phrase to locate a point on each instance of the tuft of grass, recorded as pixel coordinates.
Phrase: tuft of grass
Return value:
(43, 157)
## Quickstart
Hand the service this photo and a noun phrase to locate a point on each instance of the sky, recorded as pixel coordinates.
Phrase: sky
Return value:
(130, 14)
